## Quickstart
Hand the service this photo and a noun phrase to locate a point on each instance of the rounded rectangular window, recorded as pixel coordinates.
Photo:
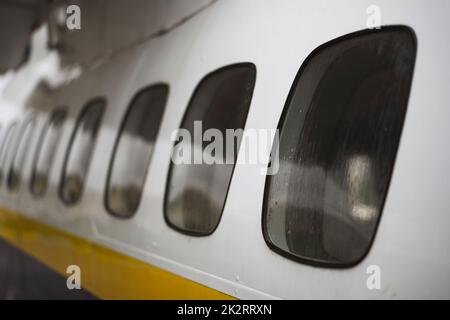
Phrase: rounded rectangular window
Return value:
(19, 156)
(133, 150)
(196, 192)
(5, 150)
(339, 135)
(45, 152)
(81, 146)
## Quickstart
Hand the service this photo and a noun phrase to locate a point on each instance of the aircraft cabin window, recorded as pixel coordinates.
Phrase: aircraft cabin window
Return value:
(16, 168)
(6, 149)
(81, 146)
(45, 152)
(339, 135)
(133, 150)
(196, 192)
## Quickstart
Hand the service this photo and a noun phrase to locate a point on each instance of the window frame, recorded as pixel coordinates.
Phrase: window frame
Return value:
(7, 139)
(120, 130)
(84, 110)
(51, 114)
(28, 123)
(183, 119)
(285, 109)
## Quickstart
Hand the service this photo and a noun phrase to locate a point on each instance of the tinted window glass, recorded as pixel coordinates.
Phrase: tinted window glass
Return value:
(15, 171)
(196, 193)
(133, 150)
(339, 136)
(80, 150)
(6, 149)
(46, 151)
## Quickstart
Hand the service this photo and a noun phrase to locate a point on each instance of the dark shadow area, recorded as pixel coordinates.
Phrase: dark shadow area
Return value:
(24, 278)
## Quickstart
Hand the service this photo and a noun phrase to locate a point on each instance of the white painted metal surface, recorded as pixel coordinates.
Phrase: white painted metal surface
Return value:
(412, 242)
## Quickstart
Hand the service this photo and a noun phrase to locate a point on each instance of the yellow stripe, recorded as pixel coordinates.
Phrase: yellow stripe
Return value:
(106, 273)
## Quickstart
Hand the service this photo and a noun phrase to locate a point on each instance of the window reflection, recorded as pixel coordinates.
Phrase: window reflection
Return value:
(338, 140)
(46, 151)
(80, 151)
(196, 193)
(133, 151)
(17, 165)
(5, 150)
